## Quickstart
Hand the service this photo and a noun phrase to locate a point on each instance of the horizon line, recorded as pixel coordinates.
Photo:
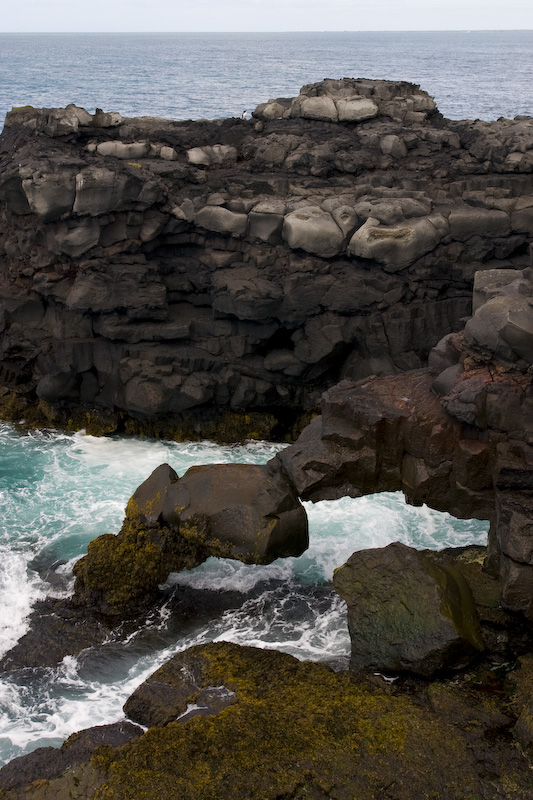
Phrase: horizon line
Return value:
(361, 30)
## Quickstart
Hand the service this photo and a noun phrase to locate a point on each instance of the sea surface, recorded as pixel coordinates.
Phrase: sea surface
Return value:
(471, 74)
(58, 491)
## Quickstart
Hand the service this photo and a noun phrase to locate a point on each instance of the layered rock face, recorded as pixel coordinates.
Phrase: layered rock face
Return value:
(458, 436)
(158, 270)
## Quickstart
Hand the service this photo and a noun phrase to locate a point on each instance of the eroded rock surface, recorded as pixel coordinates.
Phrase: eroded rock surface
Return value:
(159, 275)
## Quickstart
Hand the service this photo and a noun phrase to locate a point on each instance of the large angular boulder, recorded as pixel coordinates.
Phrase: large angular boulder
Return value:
(242, 511)
(406, 613)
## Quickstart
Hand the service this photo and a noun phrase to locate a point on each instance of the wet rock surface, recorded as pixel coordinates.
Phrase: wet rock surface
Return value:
(322, 733)
(242, 511)
(47, 763)
(156, 275)
(406, 613)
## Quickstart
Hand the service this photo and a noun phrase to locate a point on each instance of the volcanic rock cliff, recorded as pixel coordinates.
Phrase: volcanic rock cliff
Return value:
(180, 274)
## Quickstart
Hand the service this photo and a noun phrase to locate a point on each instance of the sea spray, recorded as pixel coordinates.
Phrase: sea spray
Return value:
(59, 491)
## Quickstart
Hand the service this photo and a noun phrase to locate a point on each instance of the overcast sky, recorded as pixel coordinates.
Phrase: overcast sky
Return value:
(263, 15)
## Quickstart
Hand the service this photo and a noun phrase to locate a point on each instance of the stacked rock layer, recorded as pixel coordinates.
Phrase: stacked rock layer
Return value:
(156, 269)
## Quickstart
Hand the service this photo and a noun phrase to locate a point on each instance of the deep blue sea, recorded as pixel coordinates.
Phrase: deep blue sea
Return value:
(59, 491)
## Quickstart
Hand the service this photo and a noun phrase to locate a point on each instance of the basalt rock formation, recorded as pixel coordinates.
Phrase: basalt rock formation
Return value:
(242, 511)
(458, 437)
(218, 276)
(237, 722)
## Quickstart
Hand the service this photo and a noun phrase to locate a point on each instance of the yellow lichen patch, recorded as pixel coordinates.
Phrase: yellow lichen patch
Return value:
(297, 730)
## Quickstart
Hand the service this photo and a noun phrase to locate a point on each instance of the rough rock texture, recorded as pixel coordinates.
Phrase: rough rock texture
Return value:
(485, 379)
(158, 275)
(458, 437)
(407, 613)
(241, 511)
(47, 763)
(296, 730)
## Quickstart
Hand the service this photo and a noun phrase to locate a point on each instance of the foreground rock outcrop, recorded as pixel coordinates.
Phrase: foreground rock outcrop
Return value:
(216, 277)
(295, 729)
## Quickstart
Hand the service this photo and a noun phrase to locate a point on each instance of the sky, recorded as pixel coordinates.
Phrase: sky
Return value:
(26, 16)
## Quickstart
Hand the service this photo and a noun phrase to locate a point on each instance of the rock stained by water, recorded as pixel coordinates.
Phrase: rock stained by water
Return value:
(168, 273)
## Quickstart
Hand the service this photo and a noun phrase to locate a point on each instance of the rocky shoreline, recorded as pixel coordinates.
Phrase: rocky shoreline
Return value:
(161, 276)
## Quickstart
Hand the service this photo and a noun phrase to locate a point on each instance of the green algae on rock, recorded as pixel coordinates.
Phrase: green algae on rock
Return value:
(407, 613)
(298, 730)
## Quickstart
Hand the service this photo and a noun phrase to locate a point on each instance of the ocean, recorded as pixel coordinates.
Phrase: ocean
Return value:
(471, 74)
(58, 491)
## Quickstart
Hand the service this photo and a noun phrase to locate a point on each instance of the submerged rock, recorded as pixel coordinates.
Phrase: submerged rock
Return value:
(242, 511)
(407, 613)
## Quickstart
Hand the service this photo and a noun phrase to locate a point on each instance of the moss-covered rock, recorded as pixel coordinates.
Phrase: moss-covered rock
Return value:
(298, 730)
(406, 612)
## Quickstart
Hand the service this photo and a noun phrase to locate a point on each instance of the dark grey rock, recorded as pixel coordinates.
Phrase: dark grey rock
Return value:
(406, 613)
(47, 763)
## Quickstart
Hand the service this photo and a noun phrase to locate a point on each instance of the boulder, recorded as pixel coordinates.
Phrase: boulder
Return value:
(47, 763)
(99, 190)
(242, 511)
(407, 613)
(467, 221)
(222, 220)
(50, 194)
(356, 109)
(313, 230)
(322, 108)
(396, 246)
(75, 241)
(504, 327)
(120, 149)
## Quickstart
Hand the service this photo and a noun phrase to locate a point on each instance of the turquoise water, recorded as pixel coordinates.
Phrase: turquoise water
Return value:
(58, 491)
